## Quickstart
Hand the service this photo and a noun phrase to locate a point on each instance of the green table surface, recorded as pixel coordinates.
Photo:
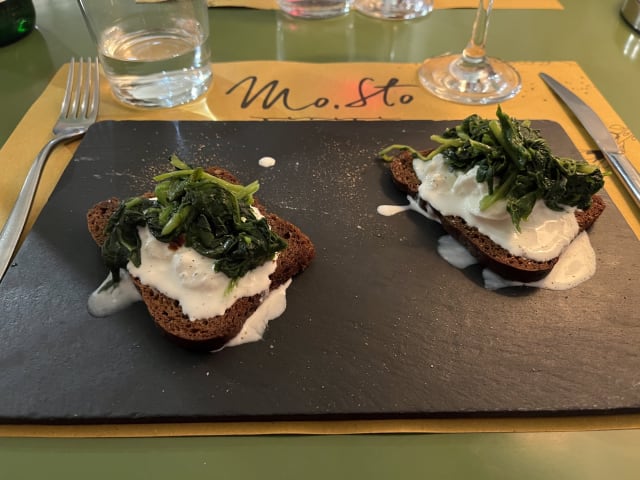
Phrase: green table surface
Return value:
(590, 32)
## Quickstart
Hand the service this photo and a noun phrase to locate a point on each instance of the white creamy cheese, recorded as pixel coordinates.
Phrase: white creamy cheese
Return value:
(185, 275)
(543, 236)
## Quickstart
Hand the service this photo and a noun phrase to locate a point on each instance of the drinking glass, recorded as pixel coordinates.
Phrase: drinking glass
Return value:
(471, 77)
(394, 9)
(153, 53)
(315, 9)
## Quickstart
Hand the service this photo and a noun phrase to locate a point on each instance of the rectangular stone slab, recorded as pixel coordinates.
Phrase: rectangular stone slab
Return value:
(378, 327)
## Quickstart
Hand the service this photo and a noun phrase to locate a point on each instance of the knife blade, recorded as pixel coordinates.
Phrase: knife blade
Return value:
(620, 164)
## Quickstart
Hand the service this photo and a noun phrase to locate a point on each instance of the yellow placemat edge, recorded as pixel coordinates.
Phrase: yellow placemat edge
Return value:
(344, 427)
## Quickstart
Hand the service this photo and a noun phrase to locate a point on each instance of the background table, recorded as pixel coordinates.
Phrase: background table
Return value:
(590, 32)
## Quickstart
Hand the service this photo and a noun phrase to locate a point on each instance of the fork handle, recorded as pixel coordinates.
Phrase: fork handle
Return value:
(12, 229)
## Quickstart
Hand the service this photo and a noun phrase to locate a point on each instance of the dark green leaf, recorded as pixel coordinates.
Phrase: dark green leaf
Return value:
(210, 215)
(516, 163)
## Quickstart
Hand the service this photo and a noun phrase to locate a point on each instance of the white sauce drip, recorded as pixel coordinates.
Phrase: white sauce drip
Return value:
(254, 327)
(267, 162)
(576, 264)
(454, 253)
(104, 302)
(390, 210)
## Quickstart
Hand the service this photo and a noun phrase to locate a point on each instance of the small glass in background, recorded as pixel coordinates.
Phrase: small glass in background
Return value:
(394, 9)
(315, 9)
(154, 53)
(337, 37)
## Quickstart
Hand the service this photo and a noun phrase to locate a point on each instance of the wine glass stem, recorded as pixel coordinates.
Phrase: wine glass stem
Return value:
(475, 52)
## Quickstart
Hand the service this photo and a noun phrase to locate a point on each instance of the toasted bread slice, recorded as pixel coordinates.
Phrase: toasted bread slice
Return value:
(485, 250)
(212, 333)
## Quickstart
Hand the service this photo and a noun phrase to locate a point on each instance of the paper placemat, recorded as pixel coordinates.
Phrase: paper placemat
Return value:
(302, 91)
(285, 91)
(437, 4)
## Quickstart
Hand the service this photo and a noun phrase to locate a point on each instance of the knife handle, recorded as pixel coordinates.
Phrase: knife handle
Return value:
(627, 173)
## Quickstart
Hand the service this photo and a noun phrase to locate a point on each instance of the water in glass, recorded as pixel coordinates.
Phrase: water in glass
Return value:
(156, 67)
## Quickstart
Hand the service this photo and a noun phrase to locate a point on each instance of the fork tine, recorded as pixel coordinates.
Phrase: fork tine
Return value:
(82, 94)
(64, 108)
(95, 100)
(76, 90)
(85, 88)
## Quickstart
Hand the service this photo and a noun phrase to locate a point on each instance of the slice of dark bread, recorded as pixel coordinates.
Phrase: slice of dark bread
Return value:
(212, 333)
(485, 250)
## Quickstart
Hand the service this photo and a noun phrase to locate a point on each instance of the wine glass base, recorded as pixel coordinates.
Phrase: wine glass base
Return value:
(452, 78)
(399, 10)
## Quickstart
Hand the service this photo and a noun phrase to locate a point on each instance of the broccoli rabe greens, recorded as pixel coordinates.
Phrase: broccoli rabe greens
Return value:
(516, 163)
(199, 210)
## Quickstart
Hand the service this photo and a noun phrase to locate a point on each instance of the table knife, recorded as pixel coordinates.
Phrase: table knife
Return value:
(601, 135)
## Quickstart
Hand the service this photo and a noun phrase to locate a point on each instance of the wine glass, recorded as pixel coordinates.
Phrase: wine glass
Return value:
(471, 77)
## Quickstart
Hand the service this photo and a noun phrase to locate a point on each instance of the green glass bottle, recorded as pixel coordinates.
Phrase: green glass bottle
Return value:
(17, 19)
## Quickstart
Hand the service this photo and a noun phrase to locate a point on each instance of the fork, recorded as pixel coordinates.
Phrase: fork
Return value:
(78, 112)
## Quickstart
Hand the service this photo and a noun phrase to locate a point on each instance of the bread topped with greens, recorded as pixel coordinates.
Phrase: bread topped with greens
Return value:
(199, 215)
(510, 172)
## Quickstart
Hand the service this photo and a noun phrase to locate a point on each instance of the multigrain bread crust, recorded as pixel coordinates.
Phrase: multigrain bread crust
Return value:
(485, 250)
(212, 333)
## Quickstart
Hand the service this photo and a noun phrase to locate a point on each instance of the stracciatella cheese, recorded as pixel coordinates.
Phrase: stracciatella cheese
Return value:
(543, 236)
(190, 278)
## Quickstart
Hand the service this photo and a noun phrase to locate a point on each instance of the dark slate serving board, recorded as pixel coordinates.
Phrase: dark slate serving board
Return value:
(378, 327)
